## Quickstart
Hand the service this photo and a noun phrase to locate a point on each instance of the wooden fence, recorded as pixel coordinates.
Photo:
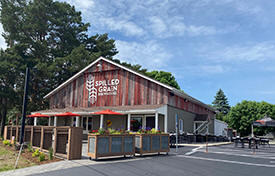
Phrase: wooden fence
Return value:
(65, 141)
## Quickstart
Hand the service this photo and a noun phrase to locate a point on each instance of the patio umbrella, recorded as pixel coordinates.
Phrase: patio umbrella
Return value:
(35, 117)
(107, 112)
(38, 115)
(266, 121)
(66, 114)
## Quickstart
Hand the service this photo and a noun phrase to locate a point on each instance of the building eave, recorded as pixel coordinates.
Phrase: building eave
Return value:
(192, 99)
(106, 60)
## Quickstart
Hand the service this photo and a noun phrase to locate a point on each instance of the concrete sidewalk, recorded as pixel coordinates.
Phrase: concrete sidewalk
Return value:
(67, 164)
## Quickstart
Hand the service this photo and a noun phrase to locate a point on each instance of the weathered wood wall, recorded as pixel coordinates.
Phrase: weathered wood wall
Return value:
(186, 105)
(132, 90)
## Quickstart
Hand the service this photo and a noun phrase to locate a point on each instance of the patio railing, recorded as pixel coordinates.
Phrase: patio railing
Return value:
(65, 141)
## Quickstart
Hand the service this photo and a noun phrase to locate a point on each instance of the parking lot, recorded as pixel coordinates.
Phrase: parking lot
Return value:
(220, 160)
(225, 160)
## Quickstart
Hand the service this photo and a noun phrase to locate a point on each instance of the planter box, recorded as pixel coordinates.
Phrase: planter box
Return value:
(152, 143)
(110, 145)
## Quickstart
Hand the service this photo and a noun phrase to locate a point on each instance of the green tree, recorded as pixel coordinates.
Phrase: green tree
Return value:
(8, 74)
(161, 76)
(164, 77)
(48, 36)
(245, 113)
(221, 104)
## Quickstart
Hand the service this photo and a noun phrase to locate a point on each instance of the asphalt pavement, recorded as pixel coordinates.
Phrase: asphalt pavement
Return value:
(225, 160)
(189, 161)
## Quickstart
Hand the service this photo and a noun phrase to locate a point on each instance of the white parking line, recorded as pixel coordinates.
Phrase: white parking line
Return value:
(193, 151)
(227, 161)
(262, 156)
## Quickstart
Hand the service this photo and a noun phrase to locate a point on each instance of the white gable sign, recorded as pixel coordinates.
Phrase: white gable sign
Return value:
(100, 88)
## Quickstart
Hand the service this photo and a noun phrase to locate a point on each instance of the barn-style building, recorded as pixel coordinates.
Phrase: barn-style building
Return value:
(144, 102)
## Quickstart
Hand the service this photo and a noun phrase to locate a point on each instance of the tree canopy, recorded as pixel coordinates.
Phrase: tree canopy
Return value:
(51, 39)
(164, 77)
(221, 104)
(245, 113)
(161, 76)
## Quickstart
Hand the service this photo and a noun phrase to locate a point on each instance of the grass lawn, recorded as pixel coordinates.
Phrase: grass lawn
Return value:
(8, 158)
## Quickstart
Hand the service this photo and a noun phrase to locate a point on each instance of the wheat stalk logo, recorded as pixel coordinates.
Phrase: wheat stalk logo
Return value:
(90, 86)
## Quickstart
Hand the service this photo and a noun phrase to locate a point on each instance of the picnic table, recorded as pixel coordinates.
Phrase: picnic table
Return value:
(251, 141)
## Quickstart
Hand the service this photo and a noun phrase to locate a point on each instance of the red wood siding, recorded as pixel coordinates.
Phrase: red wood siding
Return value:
(132, 90)
(186, 105)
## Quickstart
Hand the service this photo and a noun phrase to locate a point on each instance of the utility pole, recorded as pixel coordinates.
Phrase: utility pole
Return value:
(22, 130)
(24, 107)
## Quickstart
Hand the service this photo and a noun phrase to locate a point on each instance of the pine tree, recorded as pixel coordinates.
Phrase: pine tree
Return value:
(221, 103)
(52, 40)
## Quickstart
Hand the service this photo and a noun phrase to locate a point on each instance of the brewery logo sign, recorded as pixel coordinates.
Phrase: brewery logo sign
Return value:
(100, 87)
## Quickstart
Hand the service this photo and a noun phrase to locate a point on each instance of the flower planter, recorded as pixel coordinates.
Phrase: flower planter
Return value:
(152, 143)
(110, 145)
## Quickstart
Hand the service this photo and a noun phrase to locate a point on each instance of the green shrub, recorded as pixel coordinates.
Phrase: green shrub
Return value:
(30, 149)
(101, 131)
(36, 153)
(50, 153)
(41, 157)
(7, 142)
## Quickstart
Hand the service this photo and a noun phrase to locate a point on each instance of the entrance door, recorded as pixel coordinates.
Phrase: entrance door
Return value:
(87, 124)
(90, 123)
(150, 122)
(136, 123)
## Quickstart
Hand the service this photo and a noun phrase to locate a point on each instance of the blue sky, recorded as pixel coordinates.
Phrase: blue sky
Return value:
(206, 44)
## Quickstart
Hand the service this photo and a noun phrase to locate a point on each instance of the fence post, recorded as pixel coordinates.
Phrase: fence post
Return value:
(55, 140)
(16, 133)
(69, 144)
(31, 140)
(42, 137)
(10, 132)
(5, 132)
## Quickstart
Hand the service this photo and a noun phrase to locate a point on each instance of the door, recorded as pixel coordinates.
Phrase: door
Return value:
(87, 124)
(150, 122)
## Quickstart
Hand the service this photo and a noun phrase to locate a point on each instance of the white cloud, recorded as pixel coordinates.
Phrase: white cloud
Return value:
(3, 45)
(159, 19)
(244, 6)
(148, 54)
(83, 5)
(127, 27)
(202, 30)
(266, 92)
(269, 68)
(248, 53)
(175, 26)
(212, 69)
(158, 25)
(204, 69)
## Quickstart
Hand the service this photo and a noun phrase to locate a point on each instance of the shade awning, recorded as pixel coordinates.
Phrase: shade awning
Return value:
(107, 112)
(266, 121)
(38, 115)
(66, 114)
